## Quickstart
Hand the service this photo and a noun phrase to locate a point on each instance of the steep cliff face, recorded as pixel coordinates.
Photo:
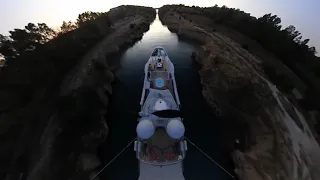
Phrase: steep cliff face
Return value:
(125, 11)
(275, 141)
(56, 135)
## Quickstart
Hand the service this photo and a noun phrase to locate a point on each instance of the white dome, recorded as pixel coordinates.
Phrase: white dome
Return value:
(145, 129)
(160, 105)
(175, 129)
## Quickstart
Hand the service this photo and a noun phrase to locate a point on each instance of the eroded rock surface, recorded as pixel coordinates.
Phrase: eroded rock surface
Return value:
(273, 146)
(56, 136)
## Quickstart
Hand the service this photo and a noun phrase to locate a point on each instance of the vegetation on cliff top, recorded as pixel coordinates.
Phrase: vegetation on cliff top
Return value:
(38, 59)
(286, 43)
(38, 56)
(39, 51)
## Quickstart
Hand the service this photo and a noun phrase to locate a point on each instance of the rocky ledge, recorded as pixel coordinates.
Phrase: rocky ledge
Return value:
(273, 140)
(56, 136)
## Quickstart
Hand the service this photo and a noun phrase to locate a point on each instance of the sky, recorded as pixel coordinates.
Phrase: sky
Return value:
(303, 14)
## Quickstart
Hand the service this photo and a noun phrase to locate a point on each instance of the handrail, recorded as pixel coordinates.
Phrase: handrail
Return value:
(143, 90)
(210, 158)
(113, 159)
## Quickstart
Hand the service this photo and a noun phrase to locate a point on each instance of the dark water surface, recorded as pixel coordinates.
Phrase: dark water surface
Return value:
(201, 126)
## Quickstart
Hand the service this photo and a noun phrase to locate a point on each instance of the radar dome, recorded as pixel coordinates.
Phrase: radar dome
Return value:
(175, 129)
(160, 105)
(145, 129)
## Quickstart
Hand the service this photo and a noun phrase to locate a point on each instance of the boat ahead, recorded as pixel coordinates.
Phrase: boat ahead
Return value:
(160, 146)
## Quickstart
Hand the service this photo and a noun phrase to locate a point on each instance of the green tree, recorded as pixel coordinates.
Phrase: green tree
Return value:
(6, 48)
(24, 40)
(87, 16)
(67, 26)
(305, 42)
(292, 33)
(46, 32)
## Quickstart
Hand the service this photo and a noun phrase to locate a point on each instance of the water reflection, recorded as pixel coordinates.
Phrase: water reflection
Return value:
(158, 35)
(201, 127)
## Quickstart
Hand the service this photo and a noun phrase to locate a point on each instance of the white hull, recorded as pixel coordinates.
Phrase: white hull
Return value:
(170, 69)
(160, 146)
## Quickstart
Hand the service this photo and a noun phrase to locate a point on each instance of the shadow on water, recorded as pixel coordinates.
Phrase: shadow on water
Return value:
(201, 126)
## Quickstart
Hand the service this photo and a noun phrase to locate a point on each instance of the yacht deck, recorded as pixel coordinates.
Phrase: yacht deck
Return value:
(161, 148)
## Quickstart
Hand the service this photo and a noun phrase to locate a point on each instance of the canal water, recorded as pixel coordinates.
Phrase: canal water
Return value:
(201, 126)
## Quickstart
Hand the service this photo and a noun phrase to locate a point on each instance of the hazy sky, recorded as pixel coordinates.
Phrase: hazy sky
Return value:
(303, 14)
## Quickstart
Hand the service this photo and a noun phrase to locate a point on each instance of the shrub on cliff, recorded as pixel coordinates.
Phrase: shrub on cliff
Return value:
(132, 26)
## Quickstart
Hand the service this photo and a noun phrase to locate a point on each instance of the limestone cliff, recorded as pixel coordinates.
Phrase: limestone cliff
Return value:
(55, 135)
(275, 140)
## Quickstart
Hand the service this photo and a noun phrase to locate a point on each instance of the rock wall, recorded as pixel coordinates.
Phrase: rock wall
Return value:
(272, 142)
(125, 11)
(56, 137)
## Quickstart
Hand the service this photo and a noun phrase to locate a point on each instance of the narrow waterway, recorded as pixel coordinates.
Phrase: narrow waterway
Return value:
(201, 126)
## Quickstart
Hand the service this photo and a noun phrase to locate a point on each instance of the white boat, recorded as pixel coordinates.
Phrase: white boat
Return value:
(160, 146)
